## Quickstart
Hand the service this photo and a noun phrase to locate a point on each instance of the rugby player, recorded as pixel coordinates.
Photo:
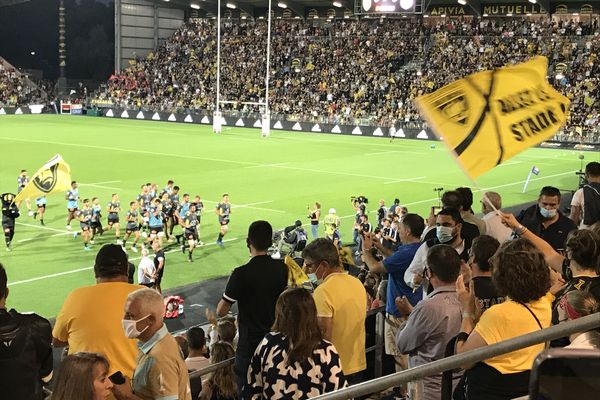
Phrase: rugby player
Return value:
(113, 208)
(223, 210)
(72, 203)
(132, 226)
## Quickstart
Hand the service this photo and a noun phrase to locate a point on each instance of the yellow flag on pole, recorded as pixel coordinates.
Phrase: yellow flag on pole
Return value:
(490, 116)
(54, 176)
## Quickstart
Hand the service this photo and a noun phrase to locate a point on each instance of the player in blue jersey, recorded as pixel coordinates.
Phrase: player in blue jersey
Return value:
(155, 222)
(72, 197)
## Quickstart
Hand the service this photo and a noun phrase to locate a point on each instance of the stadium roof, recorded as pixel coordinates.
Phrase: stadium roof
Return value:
(299, 7)
(11, 2)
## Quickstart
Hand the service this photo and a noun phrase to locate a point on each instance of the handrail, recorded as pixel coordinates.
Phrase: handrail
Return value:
(379, 384)
(212, 367)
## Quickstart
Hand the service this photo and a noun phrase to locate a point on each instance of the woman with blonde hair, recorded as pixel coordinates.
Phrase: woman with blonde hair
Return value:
(220, 384)
(294, 361)
(82, 376)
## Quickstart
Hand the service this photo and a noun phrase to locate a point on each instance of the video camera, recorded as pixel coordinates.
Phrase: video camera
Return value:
(360, 199)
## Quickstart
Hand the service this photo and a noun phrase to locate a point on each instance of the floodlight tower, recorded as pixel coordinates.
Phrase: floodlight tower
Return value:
(217, 114)
(62, 48)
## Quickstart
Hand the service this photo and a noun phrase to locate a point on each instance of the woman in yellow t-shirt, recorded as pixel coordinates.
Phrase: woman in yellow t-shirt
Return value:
(519, 272)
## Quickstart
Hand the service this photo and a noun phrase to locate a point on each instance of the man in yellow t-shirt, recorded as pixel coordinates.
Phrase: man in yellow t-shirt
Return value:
(341, 302)
(90, 318)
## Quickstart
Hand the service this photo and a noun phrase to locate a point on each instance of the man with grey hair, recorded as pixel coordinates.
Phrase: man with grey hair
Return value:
(160, 372)
(146, 270)
(493, 222)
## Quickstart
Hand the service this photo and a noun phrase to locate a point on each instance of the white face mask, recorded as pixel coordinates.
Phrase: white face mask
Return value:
(444, 234)
(130, 327)
(547, 213)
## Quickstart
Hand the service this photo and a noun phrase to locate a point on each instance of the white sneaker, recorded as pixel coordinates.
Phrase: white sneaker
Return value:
(68, 227)
(134, 249)
(30, 213)
(276, 256)
(119, 241)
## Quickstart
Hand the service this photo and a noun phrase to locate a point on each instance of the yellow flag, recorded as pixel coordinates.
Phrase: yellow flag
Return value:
(54, 176)
(490, 116)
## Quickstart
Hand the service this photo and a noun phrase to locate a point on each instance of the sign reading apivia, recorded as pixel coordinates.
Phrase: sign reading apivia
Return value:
(449, 10)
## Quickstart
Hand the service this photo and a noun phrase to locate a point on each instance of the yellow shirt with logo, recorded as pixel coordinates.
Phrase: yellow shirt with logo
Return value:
(343, 298)
(510, 319)
(90, 320)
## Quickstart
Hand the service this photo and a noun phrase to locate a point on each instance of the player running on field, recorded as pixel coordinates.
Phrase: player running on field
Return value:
(40, 202)
(190, 222)
(223, 210)
(85, 218)
(132, 226)
(113, 208)
(72, 197)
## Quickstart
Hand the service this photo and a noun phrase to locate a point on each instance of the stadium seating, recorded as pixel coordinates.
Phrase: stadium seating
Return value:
(347, 71)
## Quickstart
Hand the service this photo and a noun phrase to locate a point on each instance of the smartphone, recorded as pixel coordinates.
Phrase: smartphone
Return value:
(565, 374)
(117, 378)
(435, 210)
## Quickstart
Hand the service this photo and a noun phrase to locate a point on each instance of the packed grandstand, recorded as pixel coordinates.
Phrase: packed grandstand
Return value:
(364, 71)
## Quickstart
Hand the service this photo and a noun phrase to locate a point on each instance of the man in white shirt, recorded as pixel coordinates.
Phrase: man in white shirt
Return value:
(146, 270)
(493, 222)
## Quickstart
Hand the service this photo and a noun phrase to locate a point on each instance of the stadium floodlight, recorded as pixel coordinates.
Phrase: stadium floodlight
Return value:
(462, 2)
(533, 1)
(337, 4)
(407, 4)
(231, 5)
(509, 15)
(195, 6)
(281, 4)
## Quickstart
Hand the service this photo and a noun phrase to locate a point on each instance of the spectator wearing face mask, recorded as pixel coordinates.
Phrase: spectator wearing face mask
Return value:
(448, 231)
(160, 372)
(545, 220)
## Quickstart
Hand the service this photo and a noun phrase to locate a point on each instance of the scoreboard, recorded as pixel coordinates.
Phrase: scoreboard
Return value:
(390, 6)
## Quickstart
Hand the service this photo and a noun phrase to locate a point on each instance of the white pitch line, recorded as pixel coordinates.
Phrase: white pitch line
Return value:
(382, 152)
(99, 183)
(100, 186)
(250, 206)
(405, 180)
(44, 227)
(267, 165)
(73, 271)
(510, 163)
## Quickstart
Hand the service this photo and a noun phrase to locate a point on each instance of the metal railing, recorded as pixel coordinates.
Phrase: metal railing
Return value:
(377, 348)
(379, 384)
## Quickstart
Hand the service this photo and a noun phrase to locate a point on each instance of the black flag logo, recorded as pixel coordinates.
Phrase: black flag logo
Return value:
(454, 105)
(46, 180)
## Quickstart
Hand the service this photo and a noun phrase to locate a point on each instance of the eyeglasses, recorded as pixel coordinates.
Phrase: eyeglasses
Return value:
(312, 265)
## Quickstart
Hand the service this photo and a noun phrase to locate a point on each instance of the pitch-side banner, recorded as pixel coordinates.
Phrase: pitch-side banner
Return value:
(489, 117)
(54, 176)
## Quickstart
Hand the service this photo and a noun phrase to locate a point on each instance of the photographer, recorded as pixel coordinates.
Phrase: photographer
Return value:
(360, 207)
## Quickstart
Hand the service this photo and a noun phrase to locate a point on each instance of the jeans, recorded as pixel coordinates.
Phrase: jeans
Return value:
(314, 230)
(242, 363)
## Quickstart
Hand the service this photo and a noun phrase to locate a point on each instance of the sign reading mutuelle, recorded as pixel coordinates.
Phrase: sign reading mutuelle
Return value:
(490, 116)
(511, 8)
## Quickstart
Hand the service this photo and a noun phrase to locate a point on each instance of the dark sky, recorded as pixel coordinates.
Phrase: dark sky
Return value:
(33, 27)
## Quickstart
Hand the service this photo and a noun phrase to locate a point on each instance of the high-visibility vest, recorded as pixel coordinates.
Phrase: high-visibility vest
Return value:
(329, 220)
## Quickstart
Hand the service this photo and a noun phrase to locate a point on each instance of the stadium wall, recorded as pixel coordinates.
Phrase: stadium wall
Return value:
(205, 118)
(140, 27)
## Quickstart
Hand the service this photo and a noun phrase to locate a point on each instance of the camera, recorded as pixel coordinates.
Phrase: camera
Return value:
(360, 199)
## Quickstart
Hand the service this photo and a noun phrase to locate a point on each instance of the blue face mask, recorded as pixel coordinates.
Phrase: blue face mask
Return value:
(444, 234)
(547, 213)
(313, 278)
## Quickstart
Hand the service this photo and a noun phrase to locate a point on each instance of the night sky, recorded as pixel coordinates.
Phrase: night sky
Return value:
(29, 33)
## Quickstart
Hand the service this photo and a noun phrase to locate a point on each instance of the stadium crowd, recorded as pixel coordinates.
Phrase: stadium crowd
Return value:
(16, 89)
(300, 325)
(347, 71)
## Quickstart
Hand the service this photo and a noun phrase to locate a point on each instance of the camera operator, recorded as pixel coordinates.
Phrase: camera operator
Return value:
(360, 207)
(585, 205)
